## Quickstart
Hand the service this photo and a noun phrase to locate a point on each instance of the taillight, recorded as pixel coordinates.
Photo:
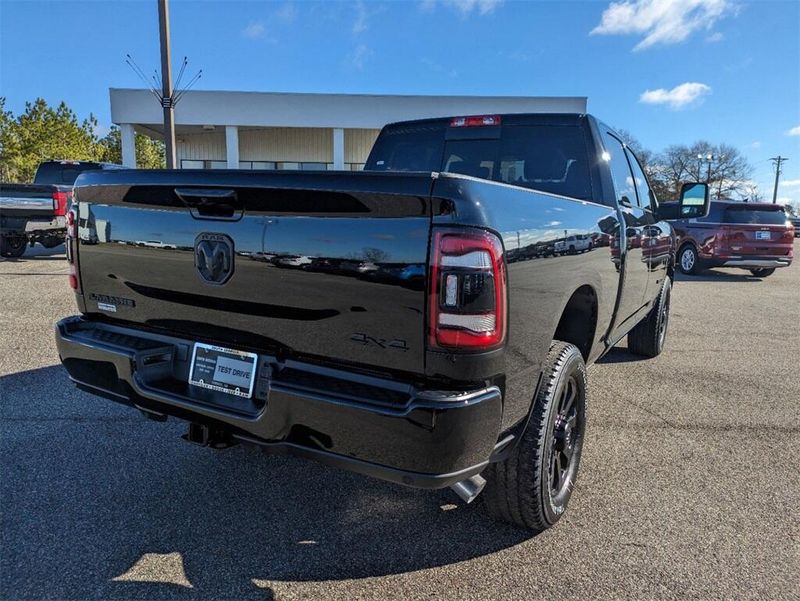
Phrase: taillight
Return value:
(70, 218)
(477, 121)
(60, 202)
(467, 298)
(73, 276)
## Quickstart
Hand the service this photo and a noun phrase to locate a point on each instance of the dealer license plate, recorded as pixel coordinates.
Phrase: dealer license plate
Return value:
(762, 236)
(223, 369)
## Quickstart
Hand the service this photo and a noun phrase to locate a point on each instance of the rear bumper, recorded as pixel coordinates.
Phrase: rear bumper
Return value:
(34, 225)
(49, 225)
(748, 261)
(382, 428)
(754, 262)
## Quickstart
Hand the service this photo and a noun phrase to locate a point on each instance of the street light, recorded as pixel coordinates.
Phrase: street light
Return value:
(708, 158)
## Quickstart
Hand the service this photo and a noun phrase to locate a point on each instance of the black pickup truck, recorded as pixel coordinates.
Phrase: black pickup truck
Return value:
(36, 212)
(411, 322)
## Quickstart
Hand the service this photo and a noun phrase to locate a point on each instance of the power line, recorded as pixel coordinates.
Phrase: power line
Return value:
(777, 161)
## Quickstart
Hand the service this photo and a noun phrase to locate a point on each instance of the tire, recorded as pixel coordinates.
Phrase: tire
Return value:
(650, 335)
(530, 488)
(13, 247)
(688, 261)
(763, 272)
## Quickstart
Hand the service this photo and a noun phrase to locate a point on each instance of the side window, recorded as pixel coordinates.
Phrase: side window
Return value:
(620, 171)
(639, 178)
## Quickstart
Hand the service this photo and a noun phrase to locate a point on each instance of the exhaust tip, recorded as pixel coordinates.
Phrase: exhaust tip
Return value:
(469, 488)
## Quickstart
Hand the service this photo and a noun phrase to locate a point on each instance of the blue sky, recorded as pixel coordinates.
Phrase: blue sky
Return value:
(668, 71)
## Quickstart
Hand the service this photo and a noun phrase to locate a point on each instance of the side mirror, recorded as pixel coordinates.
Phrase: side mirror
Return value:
(694, 201)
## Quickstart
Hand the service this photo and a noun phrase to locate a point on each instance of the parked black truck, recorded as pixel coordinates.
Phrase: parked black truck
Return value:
(31, 213)
(404, 322)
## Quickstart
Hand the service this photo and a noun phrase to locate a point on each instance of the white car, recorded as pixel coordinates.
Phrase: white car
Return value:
(573, 244)
(155, 244)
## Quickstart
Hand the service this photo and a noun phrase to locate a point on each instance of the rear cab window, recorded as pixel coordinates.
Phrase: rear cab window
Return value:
(412, 147)
(62, 174)
(745, 215)
(549, 157)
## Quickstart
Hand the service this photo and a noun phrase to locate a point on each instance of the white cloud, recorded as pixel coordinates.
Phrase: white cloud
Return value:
(661, 22)
(360, 56)
(715, 37)
(465, 7)
(254, 30)
(790, 183)
(795, 131)
(755, 145)
(678, 97)
(361, 23)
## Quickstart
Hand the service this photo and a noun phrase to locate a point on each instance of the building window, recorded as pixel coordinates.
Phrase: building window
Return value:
(266, 165)
(196, 164)
(257, 165)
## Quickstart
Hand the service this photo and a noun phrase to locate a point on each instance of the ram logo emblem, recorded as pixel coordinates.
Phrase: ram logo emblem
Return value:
(213, 258)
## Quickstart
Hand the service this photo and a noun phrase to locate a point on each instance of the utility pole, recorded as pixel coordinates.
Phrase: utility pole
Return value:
(777, 161)
(167, 102)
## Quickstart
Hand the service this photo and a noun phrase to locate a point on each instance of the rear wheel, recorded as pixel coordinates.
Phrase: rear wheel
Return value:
(688, 261)
(650, 335)
(13, 247)
(763, 272)
(532, 486)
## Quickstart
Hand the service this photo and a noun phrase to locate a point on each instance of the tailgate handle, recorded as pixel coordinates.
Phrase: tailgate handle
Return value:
(211, 203)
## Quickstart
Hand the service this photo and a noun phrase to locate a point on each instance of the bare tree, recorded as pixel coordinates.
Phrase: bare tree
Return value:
(650, 164)
(727, 172)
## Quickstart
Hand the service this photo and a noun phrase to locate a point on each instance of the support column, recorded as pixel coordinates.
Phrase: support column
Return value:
(128, 145)
(338, 149)
(232, 146)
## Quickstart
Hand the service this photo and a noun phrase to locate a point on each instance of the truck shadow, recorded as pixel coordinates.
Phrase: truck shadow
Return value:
(713, 275)
(101, 503)
(39, 253)
(620, 355)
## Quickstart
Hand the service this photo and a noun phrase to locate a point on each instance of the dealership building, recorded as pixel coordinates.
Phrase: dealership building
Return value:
(268, 130)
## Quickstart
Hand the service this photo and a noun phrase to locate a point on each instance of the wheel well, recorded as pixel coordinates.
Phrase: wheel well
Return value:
(579, 320)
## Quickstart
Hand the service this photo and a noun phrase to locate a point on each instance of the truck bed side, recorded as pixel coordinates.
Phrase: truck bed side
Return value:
(540, 284)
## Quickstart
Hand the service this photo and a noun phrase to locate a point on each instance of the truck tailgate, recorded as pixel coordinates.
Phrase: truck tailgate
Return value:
(325, 265)
(27, 199)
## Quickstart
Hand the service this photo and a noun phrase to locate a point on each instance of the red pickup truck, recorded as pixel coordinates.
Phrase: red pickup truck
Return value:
(754, 236)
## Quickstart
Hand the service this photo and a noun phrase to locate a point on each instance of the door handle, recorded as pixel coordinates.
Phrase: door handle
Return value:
(211, 203)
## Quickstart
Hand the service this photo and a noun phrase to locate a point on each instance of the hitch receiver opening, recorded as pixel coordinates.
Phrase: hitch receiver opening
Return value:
(208, 436)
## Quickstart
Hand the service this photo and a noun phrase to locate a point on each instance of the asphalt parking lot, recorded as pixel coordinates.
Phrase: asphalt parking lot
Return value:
(689, 486)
